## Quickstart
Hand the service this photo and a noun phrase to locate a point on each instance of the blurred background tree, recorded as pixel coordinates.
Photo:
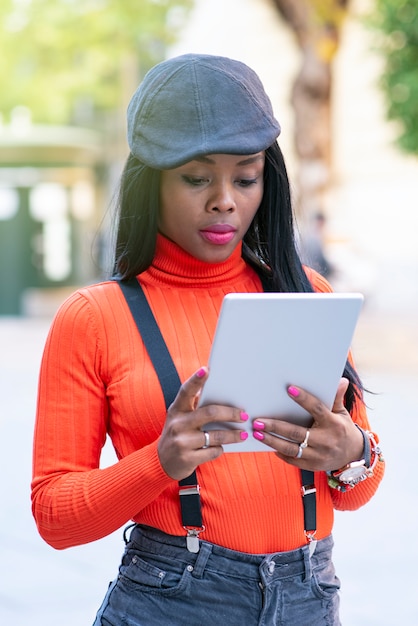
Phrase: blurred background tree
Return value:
(396, 25)
(317, 25)
(67, 71)
(72, 61)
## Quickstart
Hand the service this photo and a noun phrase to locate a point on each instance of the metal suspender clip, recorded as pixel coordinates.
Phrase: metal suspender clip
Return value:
(189, 490)
(191, 514)
(307, 490)
(192, 538)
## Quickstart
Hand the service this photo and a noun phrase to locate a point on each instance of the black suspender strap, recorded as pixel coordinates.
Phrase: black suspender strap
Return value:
(152, 338)
(309, 503)
(170, 382)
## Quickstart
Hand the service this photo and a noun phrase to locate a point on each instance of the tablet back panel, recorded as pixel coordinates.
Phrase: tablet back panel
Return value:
(267, 341)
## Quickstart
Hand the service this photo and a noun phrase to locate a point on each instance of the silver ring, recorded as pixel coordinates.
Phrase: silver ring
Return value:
(207, 440)
(300, 452)
(303, 445)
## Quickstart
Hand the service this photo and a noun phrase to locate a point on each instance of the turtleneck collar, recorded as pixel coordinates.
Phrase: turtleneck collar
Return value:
(174, 266)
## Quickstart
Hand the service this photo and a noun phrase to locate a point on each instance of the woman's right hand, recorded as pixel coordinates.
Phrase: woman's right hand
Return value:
(180, 444)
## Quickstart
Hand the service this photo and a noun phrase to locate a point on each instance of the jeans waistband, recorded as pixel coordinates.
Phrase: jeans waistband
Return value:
(277, 564)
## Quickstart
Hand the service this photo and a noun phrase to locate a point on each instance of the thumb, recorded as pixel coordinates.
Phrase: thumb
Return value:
(338, 406)
(189, 391)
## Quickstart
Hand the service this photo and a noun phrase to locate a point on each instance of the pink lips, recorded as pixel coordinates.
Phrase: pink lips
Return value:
(218, 234)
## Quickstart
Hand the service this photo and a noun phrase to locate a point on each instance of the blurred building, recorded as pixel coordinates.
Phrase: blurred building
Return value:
(50, 187)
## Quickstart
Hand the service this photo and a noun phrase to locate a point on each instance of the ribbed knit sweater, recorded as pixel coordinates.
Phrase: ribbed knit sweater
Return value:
(96, 379)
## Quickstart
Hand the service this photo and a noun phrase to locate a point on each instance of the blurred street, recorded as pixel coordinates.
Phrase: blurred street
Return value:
(375, 551)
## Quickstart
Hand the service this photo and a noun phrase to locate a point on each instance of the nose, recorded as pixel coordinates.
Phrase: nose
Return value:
(222, 199)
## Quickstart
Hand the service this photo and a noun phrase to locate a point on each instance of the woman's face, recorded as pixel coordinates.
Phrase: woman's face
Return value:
(208, 204)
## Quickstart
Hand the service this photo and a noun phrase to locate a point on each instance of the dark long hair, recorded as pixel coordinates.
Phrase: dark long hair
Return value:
(137, 218)
(269, 245)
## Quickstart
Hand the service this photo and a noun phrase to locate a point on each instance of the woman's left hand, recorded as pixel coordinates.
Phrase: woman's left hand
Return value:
(333, 439)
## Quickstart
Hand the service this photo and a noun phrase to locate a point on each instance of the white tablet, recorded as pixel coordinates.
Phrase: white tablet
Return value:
(267, 341)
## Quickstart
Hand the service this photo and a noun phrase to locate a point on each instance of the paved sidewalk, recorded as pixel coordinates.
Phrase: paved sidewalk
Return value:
(376, 548)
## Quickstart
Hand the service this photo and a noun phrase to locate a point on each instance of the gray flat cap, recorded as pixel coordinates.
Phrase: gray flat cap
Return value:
(198, 104)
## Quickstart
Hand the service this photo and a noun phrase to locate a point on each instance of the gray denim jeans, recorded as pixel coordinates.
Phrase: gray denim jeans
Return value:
(161, 583)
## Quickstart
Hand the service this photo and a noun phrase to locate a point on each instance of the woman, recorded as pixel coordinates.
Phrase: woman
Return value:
(204, 210)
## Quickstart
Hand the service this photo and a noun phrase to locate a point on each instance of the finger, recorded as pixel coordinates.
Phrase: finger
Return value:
(218, 416)
(283, 429)
(338, 406)
(219, 438)
(315, 407)
(185, 399)
(191, 453)
(292, 453)
(286, 446)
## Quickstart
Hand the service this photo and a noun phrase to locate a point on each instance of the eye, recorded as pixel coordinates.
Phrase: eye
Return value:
(247, 182)
(194, 181)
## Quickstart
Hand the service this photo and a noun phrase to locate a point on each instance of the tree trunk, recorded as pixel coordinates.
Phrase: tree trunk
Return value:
(316, 25)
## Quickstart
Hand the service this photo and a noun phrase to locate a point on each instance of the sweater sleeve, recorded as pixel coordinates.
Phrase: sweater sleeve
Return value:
(364, 491)
(74, 501)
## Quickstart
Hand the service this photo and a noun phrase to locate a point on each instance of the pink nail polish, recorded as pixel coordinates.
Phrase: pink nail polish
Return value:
(200, 373)
(244, 416)
(243, 435)
(258, 435)
(293, 391)
(258, 425)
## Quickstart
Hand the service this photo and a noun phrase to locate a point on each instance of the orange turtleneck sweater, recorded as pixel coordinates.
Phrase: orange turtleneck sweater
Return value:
(96, 379)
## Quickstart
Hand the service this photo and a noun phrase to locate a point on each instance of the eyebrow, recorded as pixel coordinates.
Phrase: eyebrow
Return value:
(248, 161)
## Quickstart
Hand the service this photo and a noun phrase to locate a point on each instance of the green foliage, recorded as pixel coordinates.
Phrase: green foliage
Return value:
(70, 61)
(397, 24)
